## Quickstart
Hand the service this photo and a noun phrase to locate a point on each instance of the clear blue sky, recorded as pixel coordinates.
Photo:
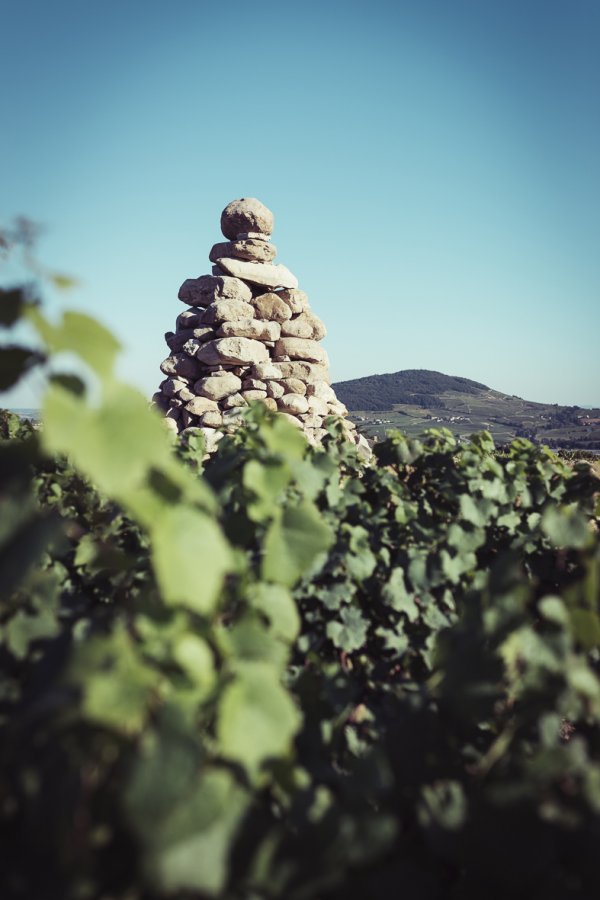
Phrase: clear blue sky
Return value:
(433, 167)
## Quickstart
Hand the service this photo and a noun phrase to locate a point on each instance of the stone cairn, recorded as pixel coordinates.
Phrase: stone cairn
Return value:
(248, 334)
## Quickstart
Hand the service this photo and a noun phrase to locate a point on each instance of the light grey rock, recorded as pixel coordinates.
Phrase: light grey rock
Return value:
(200, 405)
(364, 448)
(295, 404)
(271, 306)
(227, 311)
(180, 364)
(208, 288)
(250, 250)
(306, 325)
(246, 215)
(270, 403)
(260, 273)
(336, 408)
(190, 347)
(322, 390)
(266, 370)
(215, 387)
(259, 329)
(275, 389)
(233, 401)
(254, 384)
(235, 350)
(296, 300)
(250, 396)
(211, 419)
(293, 386)
(311, 420)
(301, 348)
(318, 406)
(318, 435)
(211, 438)
(306, 371)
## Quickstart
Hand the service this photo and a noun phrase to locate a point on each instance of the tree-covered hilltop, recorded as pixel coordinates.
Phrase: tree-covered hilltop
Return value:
(416, 386)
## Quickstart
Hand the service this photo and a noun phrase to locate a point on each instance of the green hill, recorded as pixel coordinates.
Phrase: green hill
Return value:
(415, 399)
(381, 392)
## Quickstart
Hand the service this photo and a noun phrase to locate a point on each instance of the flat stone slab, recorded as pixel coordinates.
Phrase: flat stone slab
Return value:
(295, 404)
(250, 250)
(259, 273)
(306, 371)
(227, 310)
(253, 236)
(215, 387)
(306, 325)
(301, 348)
(233, 350)
(200, 405)
(207, 288)
(259, 329)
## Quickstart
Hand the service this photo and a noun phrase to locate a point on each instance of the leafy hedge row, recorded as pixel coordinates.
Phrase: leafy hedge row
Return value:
(282, 672)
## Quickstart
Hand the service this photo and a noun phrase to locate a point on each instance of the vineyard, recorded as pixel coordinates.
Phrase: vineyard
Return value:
(285, 672)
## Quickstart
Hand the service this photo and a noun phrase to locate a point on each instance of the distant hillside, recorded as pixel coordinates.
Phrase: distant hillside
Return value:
(418, 398)
(414, 386)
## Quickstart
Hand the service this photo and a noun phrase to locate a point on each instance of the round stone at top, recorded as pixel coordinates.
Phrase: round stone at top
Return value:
(246, 214)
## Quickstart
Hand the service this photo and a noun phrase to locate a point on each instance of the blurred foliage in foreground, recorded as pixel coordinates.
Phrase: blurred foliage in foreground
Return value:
(283, 673)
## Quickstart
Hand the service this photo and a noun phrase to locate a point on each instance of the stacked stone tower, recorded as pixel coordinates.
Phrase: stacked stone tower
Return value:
(247, 334)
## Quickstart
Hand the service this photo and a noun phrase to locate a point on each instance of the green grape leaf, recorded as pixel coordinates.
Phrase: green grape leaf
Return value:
(294, 538)
(116, 685)
(350, 632)
(394, 592)
(566, 527)
(186, 823)
(195, 657)
(284, 439)
(277, 604)
(190, 557)
(360, 559)
(257, 719)
(267, 481)
(80, 334)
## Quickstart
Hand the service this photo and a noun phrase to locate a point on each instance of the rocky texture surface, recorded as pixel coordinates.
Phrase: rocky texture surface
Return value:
(244, 216)
(248, 335)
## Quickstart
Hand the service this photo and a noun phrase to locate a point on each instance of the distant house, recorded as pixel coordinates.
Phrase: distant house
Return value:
(594, 422)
